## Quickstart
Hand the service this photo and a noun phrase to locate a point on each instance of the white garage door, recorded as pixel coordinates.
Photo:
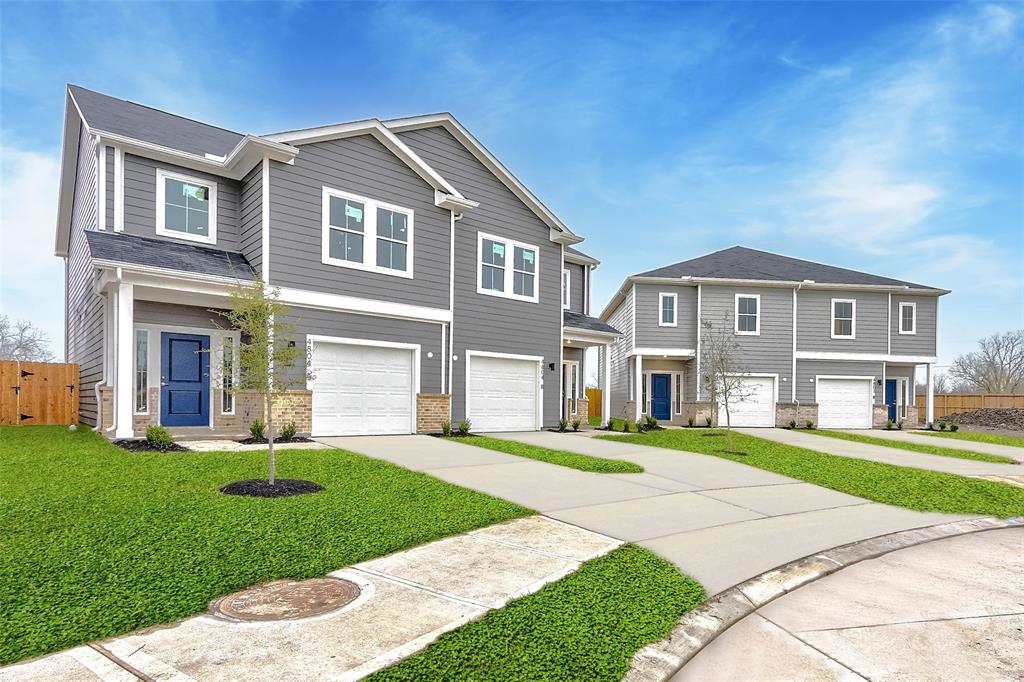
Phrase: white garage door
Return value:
(361, 390)
(503, 394)
(754, 407)
(844, 403)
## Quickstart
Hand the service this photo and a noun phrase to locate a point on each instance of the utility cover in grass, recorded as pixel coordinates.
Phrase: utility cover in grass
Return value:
(282, 487)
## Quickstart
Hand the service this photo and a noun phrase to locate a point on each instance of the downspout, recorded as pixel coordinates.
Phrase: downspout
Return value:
(450, 351)
(793, 386)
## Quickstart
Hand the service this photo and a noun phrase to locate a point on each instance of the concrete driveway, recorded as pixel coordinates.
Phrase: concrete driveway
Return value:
(881, 453)
(894, 617)
(719, 521)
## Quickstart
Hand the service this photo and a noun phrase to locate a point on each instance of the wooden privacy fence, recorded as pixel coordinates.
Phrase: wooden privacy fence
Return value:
(948, 403)
(594, 406)
(38, 392)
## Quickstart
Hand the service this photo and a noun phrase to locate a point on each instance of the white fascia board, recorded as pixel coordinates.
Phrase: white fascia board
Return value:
(363, 306)
(453, 203)
(787, 284)
(581, 260)
(866, 357)
(587, 335)
(68, 171)
(669, 352)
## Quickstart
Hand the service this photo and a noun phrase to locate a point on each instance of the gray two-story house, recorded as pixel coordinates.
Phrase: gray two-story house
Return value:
(424, 280)
(811, 341)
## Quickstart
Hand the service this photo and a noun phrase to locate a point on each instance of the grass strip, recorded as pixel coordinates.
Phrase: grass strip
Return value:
(977, 437)
(586, 626)
(97, 541)
(913, 447)
(573, 460)
(918, 489)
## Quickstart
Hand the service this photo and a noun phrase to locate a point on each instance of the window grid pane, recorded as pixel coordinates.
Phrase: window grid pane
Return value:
(843, 325)
(908, 318)
(186, 207)
(492, 278)
(668, 310)
(141, 371)
(522, 284)
(493, 253)
(346, 245)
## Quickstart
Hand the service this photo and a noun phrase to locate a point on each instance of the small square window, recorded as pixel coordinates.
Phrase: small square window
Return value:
(666, 310)
(747, 317)
(843, 318)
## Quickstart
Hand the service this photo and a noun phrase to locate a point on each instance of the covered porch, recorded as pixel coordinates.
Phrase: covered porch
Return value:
(580, 333)
(663, 384)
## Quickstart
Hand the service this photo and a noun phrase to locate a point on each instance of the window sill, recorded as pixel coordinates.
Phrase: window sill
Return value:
(739, 333)
(843, 338)
(352, 265)
(185, 236)
(502, 294)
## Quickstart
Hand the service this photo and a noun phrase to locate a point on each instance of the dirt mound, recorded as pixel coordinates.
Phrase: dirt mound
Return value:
(992, 418)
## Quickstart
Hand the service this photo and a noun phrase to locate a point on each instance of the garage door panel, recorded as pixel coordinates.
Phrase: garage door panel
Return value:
(756, 409)
(503, 394)
(844, 403)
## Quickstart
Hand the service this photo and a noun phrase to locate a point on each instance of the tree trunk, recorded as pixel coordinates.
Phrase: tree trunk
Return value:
(270, 435)
(728, 426)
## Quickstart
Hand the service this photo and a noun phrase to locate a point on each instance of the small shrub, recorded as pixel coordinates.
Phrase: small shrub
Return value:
(954, 427)
(563, 424)
(464, 427)
(639, 426)
(650, 422)
(576, 424)
(707, 419)
(159, 437)
(792, 423)
(625, 426)
(930, 426)
(942, 426)
(888, 425)
(256, 428)
(809, 424)
(899, 425)
(288, 431)
(446, 428)
(689, 421)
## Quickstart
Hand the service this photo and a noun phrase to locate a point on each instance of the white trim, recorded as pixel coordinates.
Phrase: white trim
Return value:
(632, 342)
(638, 390)
(736, 315)
(568, 364)
(470, 354)
(793, 375)
(372, 343)
(665, 352)
(234, 337)
(124, 397)
(913, 318)
(161, 187)
(443, 359)
(510, 245)
(451, 307)
(888, 324)
(265, 220)
(606, 384)
(118, 189)
(662, 295)
(366, 306)
(853, 319)
(101, 182)
(587, 336)
(566, 283)
(369, 233)
(867, 357)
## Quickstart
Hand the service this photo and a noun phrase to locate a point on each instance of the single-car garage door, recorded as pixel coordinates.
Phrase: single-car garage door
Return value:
(504, 394)
(754, 406)
(360, 390)
(844, 403)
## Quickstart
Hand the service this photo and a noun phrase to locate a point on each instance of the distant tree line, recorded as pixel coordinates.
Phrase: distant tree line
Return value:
(996, 367)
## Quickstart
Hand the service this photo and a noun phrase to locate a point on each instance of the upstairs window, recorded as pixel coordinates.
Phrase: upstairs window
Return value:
(565, 288)
(908, 318)
(186, 207)
(666, 310)
(844, 318)
(507, 268)
(366, 234)
(748, 316)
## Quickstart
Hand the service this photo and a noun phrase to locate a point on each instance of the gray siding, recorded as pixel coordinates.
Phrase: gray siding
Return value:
(363, 166)
(108, 193)
(140, 199)
(174, 315)
(83, 309)
(487, 322)
(923, 342)
(806, 370)
(649, 334)
(250, 218)
(577, 285)
(814, 322)
(622, 319)
(771, 352)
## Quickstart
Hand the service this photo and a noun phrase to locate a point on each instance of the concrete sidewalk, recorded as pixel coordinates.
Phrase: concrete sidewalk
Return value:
(881, 453)
(894, 617)
(407, 600)
(719, 521)
(920, 438)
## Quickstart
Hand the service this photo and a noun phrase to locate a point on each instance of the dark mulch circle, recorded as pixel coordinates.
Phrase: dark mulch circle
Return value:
(283, 441)
(713, 435)
(133, 445)
(454, 434)
(732, 452)
(260, 487)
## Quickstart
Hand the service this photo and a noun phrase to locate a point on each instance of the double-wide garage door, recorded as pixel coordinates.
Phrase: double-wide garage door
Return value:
(754, 404)
(504, 394)
(844, 403)
(359, 390)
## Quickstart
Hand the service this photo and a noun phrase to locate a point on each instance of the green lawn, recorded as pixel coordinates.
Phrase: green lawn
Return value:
(594, 421)
(96, 541)
(902, 486)
(586, 626)
(913, 447)
(978, 437)
(573, 460)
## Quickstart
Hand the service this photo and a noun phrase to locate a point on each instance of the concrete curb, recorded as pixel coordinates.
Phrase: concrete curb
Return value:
(698, 628)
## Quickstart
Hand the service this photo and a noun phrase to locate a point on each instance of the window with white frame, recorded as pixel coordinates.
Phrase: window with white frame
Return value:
(748, 314)
(844, 318)
(565, 287)
(678, 395)
(507, 268)
(908, 318)
(666, 310)
(366, 234)
(646, 407)
(141, 371)
(227, 405)
(186, 207)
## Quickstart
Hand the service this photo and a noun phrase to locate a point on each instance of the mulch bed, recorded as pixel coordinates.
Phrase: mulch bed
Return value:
(133, 445)
(264, 441)
(990, 417)
(260, 487)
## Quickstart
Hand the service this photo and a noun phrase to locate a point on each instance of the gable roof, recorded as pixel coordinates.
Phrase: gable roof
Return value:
(165, 254)
(576, 256)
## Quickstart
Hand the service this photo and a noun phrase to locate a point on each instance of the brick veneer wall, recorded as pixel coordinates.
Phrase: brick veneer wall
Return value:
(700, 410)
(582, 410)
(879, 416)
(913, 417)
(431, 410)
(787, 412)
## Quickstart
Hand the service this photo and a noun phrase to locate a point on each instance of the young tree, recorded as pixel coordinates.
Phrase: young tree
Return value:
(723, 371)
(996, 367)
(22, 340)
(266, 358)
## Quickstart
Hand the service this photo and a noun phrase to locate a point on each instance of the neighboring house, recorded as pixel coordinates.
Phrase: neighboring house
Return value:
(424, 279)
(820, 343)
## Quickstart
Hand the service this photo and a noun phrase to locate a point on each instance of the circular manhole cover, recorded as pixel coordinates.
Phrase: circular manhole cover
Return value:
(287, 599)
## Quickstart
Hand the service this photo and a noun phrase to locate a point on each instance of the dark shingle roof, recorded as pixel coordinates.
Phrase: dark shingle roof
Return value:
(121, 117)
(577, 252)
(580, 321)
(166, 254)
(739, 262)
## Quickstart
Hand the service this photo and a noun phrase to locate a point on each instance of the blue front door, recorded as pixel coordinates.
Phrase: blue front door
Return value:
(661, 396)
(890, 397)
(184, 379)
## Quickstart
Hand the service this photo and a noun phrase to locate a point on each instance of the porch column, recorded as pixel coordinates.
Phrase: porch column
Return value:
(929, 410)
(124, 317)
(638, 391)
(606, 384)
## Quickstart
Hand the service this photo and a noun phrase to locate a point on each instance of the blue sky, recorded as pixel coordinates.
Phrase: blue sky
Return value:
(884, 137)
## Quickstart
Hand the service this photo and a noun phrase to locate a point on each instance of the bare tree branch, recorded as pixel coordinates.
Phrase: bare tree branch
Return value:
(724, 375)
(996, 367)
(21, 340)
